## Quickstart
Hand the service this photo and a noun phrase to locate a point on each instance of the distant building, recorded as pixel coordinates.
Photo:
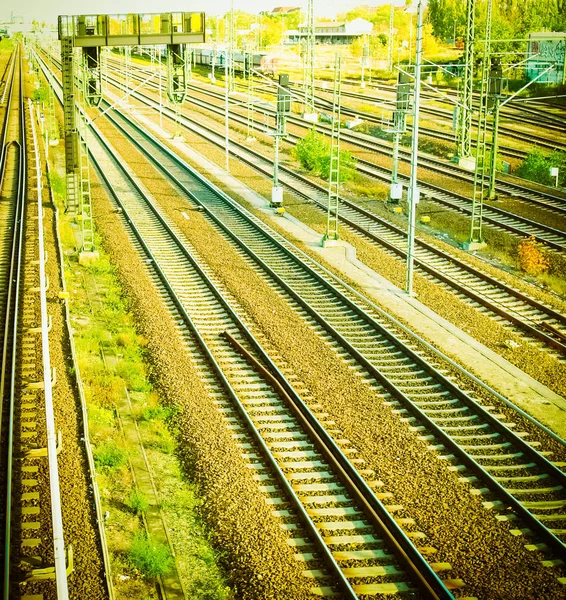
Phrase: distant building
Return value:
(330, 32)
(284, 10)
(545, 50)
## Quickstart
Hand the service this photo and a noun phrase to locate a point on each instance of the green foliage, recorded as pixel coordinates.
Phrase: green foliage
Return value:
(41, 94)
(536, 167)
(57, 184)
(137, 502)
(155, 413)
(133, 373)
(152, 559)
(347, 166)
(313, 152)
(109, 455)
(510, 19)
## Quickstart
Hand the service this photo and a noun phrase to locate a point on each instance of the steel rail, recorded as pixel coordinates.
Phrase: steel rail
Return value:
(402, 546)
(262, 231)
(525, 193)
(55, 491)
(460, 203)
(534, 330)
(9, 352)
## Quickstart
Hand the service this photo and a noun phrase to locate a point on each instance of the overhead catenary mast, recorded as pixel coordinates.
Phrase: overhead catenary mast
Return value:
(464, 141)
(308, 66)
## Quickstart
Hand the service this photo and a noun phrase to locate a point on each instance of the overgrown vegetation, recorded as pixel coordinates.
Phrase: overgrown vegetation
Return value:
(137, 502)
(536, 167)
(532, 259)
(314, 153)
(109, 455)
(153, 560)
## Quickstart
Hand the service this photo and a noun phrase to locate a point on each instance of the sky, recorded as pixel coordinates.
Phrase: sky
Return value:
(46, 10)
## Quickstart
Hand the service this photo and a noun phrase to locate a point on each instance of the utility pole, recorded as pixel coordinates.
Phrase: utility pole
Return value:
(400, 126)
(464, 141)
(308, 66)
(231, 46)
(331, 234)
(283, 109)
(390, 44)
(413, 195)
(475, 241)
(251, 108)
(227, 58)
(495, 89)
(365, 55)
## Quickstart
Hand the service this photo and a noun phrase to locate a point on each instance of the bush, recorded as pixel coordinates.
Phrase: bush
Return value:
(531, 258)
(109, 455)
(536, 167)
(137, 502)
(313, 152)
(152, 559)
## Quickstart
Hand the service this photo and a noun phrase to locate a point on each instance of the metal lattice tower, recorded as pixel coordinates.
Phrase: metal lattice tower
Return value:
(251, 109)
(71, 134)
(464, 142)
(84, 199)
(308, 65)
(85, 203)
(390, 44)
(231, 44)
(480, 182)
(52, 126)
(334, 171)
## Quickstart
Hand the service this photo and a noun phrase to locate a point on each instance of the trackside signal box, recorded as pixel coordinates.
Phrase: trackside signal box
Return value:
(403, 91)
(283, 95)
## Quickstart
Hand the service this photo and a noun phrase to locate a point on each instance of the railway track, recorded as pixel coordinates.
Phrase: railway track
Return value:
(545, 201)
(535, 140)
(544, 326)
(34, 557)
(513, 476)
(515, 109)
(310, 483)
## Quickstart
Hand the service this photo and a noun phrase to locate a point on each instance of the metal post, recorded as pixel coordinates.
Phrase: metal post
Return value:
(283, 109)
(309, 114)
(226, 116)
(494, 144)
(276, 161)
(413, 195)
(476, 238)
(160, 92)
(334, 171)
(464, 141)
(70, 126)
(390, 45)
(231, 46)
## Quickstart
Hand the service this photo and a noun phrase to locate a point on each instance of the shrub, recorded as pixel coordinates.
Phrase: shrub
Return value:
(531, 258)
(150, 558)
(313, 152)
(109, 455)
(137, 502)
(536, 167)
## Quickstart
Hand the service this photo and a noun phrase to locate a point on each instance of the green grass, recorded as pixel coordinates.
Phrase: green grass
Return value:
(109, 455)
(137, 502)
(151, 559)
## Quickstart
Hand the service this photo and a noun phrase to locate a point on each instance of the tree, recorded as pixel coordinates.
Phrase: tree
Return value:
(447, 17)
